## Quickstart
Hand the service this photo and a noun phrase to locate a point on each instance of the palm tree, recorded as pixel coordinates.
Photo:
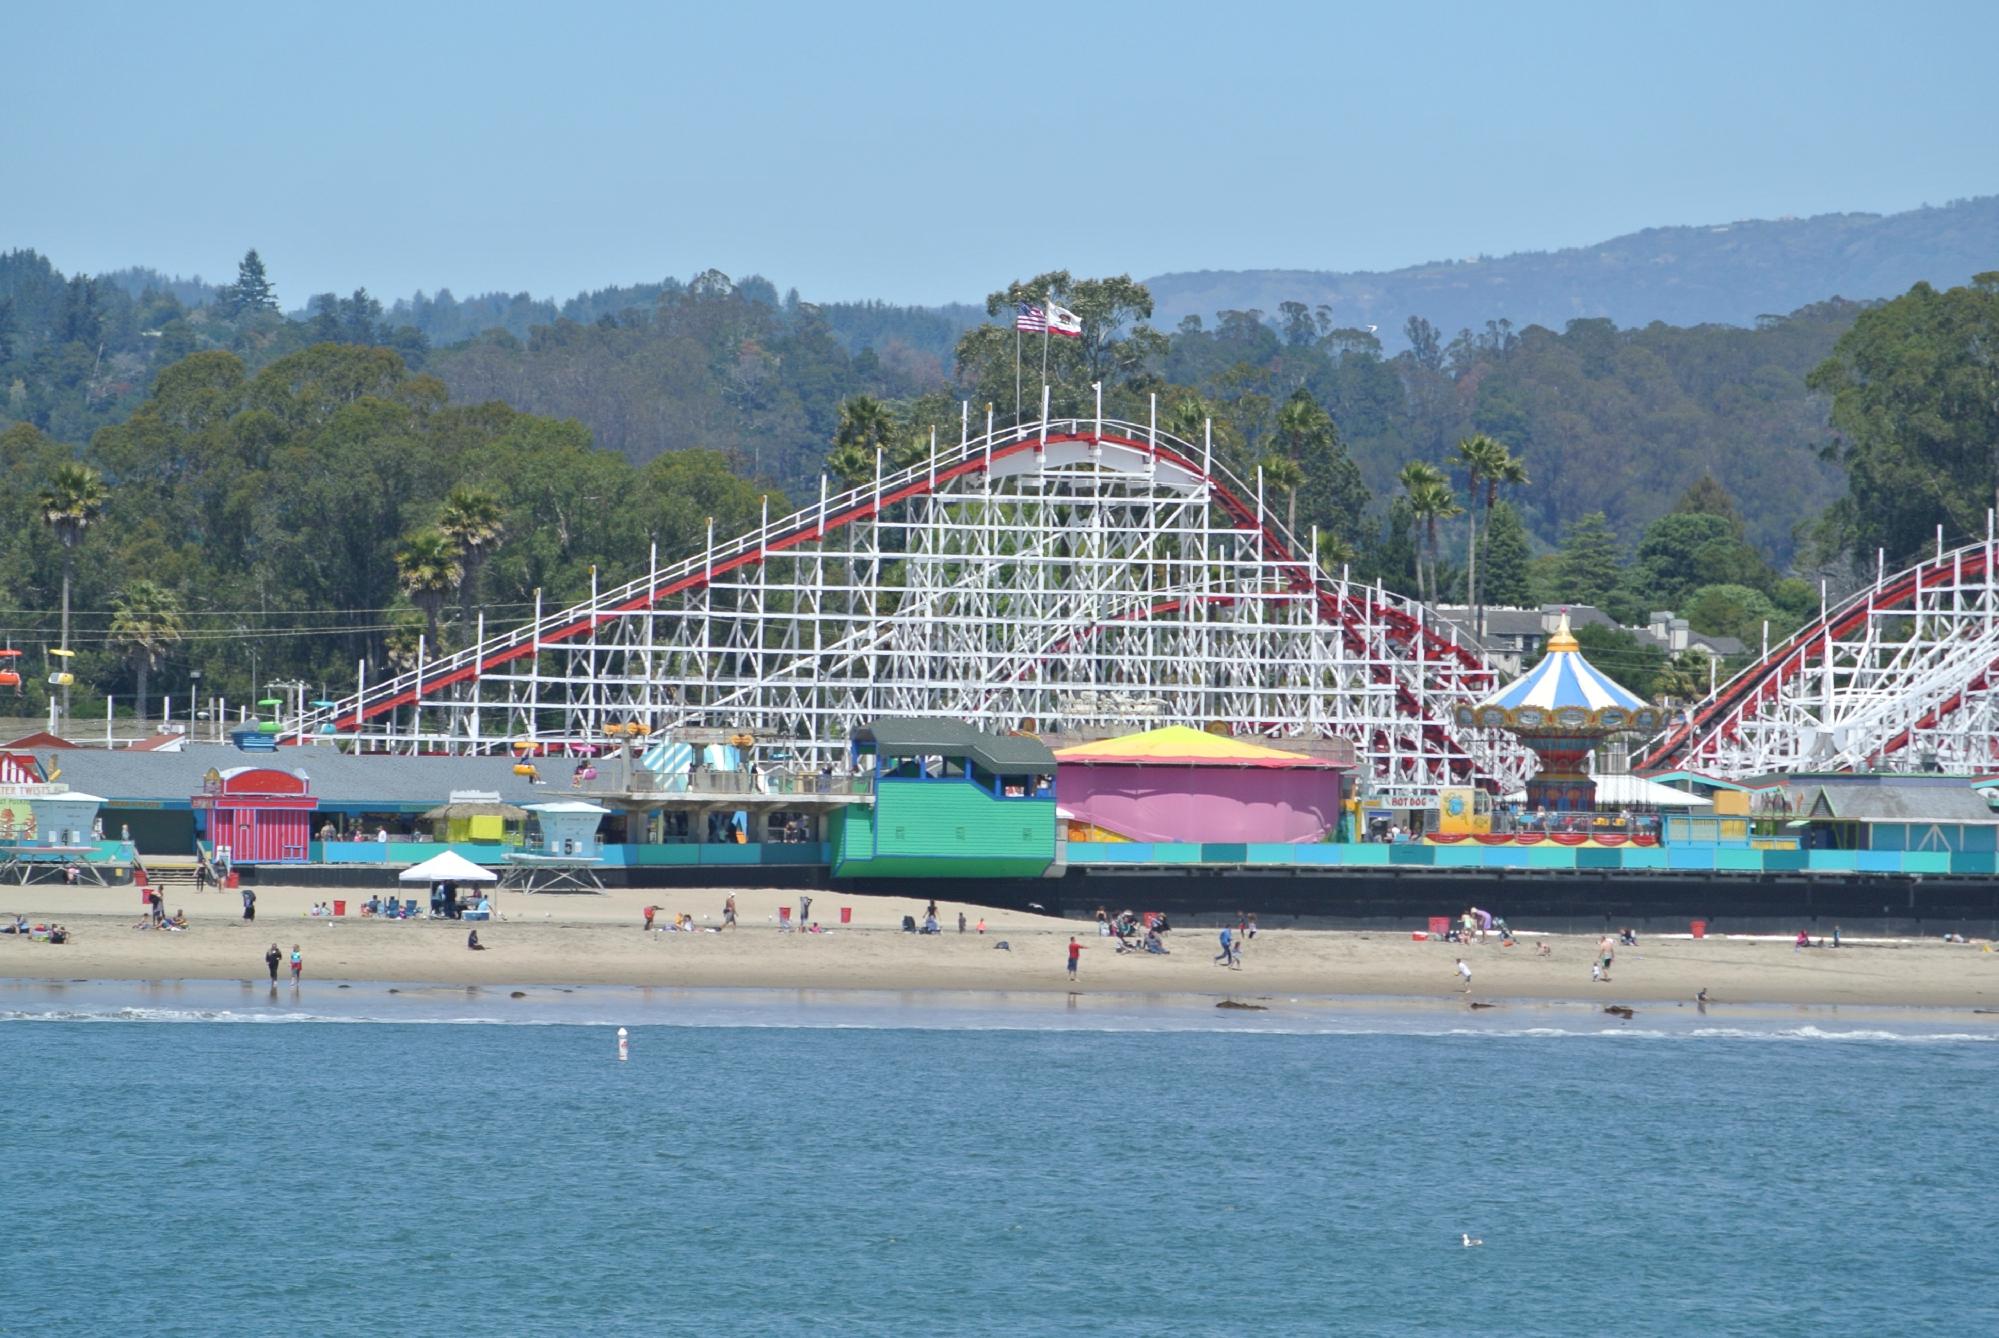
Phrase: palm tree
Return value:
(1281, 471)
(1430, 499)
(1491, 467)
(146, 621)
(74, 498)
(1479, 454)
(473, 521)
(1508, 473)
(866, 428)
(428, 570)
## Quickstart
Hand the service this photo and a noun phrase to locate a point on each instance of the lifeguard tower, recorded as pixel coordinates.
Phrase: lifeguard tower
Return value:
(561, 852)
(60, 840)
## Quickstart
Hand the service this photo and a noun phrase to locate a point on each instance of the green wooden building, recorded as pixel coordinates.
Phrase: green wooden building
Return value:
(950, 802)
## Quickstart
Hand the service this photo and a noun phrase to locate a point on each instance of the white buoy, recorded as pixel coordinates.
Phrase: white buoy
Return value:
(624, 1046)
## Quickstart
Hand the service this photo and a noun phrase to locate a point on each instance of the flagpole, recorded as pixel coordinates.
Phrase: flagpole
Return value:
(1048, 319)
(1016, 364)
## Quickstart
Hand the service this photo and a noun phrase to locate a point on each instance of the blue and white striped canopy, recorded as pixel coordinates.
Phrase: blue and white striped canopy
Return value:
(1563, 678)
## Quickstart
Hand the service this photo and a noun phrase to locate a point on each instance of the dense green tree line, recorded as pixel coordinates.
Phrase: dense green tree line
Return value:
(284, 523)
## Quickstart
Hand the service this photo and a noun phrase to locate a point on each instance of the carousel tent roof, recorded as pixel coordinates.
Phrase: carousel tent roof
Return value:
(1563, 678)
(1178, 745)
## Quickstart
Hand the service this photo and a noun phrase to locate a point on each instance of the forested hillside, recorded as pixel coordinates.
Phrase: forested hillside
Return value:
(226, 488)
(1732, 273)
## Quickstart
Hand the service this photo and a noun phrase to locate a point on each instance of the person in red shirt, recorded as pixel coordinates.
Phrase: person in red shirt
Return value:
(1075, 954)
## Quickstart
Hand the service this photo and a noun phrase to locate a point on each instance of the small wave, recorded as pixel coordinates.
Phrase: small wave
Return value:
(602, 1014)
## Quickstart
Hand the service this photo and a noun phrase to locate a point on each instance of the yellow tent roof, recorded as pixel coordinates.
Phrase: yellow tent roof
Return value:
(1178, 745)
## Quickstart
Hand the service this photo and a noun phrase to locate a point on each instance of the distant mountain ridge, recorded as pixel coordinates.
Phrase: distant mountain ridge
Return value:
(1729, 273)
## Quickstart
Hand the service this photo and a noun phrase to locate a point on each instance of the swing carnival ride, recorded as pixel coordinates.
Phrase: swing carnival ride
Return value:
(1080, 575)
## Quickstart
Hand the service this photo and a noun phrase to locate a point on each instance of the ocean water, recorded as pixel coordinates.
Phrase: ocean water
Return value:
(208, 1159)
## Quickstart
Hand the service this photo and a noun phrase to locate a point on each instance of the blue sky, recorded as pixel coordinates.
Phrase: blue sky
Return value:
(930, 152)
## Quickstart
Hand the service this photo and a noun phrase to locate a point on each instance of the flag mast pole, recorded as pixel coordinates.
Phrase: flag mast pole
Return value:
(1016, 363)
(1047, 319)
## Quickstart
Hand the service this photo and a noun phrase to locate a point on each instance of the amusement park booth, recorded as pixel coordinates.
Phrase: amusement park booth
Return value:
(1181, 784)
(258, 815)
(950, 801)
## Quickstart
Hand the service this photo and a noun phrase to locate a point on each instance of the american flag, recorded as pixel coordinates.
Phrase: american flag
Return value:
(1032, 319)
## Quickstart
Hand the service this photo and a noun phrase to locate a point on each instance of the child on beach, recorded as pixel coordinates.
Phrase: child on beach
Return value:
(1075, 954)
(1465, 972)
(298, 963)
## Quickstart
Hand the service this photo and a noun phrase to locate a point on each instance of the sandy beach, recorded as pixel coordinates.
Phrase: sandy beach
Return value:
(591, 940)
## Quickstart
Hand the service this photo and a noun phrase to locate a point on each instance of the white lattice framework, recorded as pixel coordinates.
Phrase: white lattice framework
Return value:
(1068, 575)
(1900, 677)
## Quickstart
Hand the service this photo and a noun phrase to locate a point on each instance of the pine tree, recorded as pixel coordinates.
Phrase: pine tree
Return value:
(1505, 564)
(252, 290)
(1589, 567)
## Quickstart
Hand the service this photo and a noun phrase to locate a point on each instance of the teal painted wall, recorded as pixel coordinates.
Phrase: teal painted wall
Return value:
(943, 828)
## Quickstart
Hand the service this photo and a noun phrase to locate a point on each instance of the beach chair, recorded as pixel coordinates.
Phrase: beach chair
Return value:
(409, 909)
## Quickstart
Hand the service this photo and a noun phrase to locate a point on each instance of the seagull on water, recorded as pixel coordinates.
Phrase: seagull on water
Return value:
(1469, 1240)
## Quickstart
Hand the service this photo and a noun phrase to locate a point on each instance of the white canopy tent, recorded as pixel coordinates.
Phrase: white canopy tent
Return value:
(450, 867)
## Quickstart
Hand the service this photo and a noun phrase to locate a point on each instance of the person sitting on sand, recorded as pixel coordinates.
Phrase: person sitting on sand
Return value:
(58, 934)
(20, 926)
(472, 942)
(1544, 951)
(180, 920)
(1803, 940)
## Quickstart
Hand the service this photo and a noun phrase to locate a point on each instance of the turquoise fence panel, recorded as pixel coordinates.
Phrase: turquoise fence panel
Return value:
(1175, 852)
(1971, 861)
(728, 854)
(1818, 861)
(1925, 861)
(1272, 852)
(1225, 852)
(1505, 857)
(1364, 856)
(1879, 861)
(1690, 857)
(1109, 852)
(1788, 861)
(354, 852)
(1551, 857)
(1457, 857)
(794, 853)
(1322, 853)
(1739, 861)
(1644, 857)
(1420, 855)
(1589, 857)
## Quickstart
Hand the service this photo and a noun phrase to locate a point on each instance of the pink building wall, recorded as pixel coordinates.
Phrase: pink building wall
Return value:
(1186, 803)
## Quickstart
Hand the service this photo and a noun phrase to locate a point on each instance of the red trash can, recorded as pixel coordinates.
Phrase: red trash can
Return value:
(784, 915)
(846, 915)
(1440, 925)
(1700, 928)
(340, 908)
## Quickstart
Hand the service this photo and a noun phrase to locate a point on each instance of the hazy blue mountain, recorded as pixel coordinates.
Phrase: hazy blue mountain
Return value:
(1728, 273)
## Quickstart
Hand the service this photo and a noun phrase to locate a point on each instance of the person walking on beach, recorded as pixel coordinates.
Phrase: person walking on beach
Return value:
(298, 964)
(650, 911)
(804, 910)
(1465, 972)
(1075, 955)
(1226, 956)
(249, 904)
(729, 912)
(271, 960)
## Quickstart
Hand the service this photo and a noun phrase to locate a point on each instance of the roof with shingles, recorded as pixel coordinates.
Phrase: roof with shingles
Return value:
(336, 777)
(909, 736)
(1949, 804)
